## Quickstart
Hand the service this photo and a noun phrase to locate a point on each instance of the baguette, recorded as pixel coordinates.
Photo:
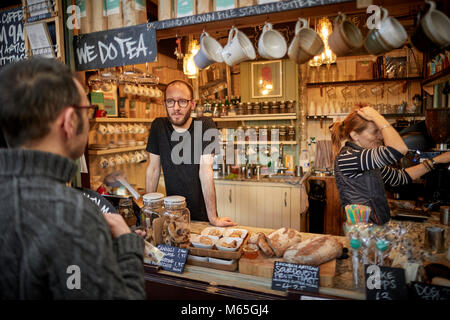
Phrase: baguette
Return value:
(314, 251)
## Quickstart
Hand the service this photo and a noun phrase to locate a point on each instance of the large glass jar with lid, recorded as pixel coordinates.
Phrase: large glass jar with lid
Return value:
(274, 133)
(275, 107)
(290, 106)
(256, 108)
(282, 107)
(127, 212)
(152, 210)
(265, 108)
(282, 133)
(291, 133)
(177, 222)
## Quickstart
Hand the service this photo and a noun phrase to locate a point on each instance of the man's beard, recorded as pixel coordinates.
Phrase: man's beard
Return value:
(179, 122)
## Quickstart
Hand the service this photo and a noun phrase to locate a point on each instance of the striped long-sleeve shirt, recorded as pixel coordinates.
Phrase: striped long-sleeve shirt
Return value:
(354, 162)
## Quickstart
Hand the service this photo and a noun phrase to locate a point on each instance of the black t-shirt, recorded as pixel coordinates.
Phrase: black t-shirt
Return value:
(180, 158)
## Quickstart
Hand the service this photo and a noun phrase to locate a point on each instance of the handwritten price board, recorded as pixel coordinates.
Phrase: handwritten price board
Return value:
(295, 276)
(174, 258)
(425, 291)
(384, 283)
(12, 41)
(116, 47)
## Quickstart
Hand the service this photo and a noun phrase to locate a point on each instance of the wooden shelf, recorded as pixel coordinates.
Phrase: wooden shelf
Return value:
(102, 120)
(116, 150)
(356, 82)
(436, 78)
(261, 142)
(252, 117)
(387, 115)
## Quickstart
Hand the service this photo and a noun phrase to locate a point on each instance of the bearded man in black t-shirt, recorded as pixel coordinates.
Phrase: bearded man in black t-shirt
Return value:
(185, 149)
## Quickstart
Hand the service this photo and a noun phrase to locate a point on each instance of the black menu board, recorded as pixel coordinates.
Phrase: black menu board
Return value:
(174, 258)
(425, 291)
(385, 283)
(295, 276)
(12, 41)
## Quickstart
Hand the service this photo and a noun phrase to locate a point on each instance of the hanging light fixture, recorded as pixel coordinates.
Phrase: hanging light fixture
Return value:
(189, 67)
(327, 56)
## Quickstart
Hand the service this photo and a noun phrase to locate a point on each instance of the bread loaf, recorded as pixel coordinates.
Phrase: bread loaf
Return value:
(314, 251)
(254, 237)
(282, 239)
(264, 246)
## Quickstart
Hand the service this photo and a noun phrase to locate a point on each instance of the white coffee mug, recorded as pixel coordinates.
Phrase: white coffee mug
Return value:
(238, 49)
(436, 25)
(271, 43)
(306, 43)
(392, 31)
(102, 129)
(209, 53)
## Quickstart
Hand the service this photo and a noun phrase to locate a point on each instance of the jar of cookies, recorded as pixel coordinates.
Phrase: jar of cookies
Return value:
(152, 212)
(177, 222)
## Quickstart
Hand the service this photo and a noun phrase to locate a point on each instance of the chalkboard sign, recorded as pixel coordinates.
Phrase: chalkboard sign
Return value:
(116, 47)
(266, 8)
(295, 276)
(174, 258)
(384, 283)
(104, 205)
(425, 291)
(12, 41)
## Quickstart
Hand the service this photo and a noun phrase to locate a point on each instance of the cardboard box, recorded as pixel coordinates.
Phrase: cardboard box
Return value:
(364, 70)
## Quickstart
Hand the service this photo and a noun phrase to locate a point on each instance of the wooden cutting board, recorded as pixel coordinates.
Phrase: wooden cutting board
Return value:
(263, 267)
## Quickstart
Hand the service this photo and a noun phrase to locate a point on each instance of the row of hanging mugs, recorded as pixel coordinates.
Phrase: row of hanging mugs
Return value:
(388, 35)
(271, 45)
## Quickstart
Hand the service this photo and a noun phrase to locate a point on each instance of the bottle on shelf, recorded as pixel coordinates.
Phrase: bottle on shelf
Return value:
(207, 112)
(304, 160)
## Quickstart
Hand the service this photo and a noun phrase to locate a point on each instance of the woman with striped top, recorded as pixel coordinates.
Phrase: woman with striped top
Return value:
(362, 165)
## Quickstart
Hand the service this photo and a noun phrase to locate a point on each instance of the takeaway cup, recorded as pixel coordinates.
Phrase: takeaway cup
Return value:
(209, 53)
(238, 49)
(271, 43)
(306, 43)
(345, 37)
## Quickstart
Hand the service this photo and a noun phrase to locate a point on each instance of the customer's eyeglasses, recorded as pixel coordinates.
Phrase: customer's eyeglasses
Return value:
(183, 103)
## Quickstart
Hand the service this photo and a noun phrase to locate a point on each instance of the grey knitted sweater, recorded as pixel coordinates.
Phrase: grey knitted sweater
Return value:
(54, 242)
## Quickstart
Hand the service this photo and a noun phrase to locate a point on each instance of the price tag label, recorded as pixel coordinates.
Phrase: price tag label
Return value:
(295, 276)
(174, 258)
(384, 283)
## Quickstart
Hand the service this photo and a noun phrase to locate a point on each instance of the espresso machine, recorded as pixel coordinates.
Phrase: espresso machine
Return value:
(426, 140)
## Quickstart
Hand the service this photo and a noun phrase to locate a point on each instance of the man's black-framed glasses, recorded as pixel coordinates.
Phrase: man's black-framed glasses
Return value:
(183, 103)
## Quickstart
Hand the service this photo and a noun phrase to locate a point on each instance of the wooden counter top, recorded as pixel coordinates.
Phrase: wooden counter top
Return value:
(217, 278)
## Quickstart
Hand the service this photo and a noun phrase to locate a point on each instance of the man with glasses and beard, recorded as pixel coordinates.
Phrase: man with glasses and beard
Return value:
(55, 243)
(185, 149)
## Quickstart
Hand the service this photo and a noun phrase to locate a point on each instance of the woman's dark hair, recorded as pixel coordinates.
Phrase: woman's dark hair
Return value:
(33, 94)
(340, 130)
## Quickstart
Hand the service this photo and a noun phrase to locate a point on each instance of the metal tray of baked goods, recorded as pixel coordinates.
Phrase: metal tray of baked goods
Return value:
(215, 253)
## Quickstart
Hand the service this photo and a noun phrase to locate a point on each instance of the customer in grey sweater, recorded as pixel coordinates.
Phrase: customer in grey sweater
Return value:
(54, 243)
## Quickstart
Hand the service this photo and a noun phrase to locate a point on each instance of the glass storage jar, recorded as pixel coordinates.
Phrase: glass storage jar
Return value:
(240, 109)
(256, 108)
(249, 108)
(152, 210)
(177, 222)
(240, 134)
(256, 133)
(290, 107)
(275, 107)
(282, 133)
(127, 212)
(291, 133)
(264, 134)
(282, 107)
(265, 108)
(274, 133)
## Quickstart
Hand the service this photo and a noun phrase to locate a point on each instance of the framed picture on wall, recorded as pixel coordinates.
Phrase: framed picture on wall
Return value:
(266, 79)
